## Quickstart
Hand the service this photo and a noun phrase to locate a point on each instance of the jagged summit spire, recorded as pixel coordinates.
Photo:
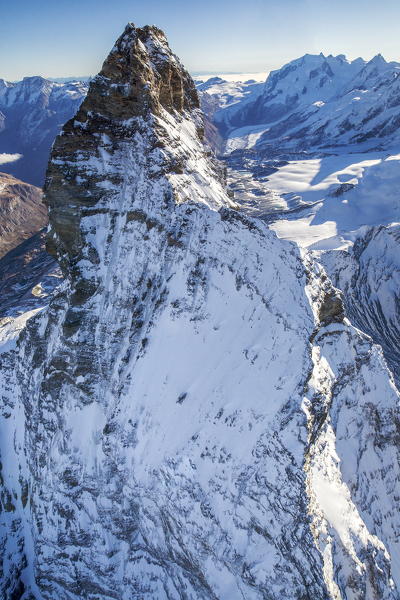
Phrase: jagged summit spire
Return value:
(139, 124)
(140, 74)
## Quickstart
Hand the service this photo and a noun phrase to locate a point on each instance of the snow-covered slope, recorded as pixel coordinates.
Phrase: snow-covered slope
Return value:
(321, 202)
(316, 156)
(316, 152)
(228, 93)
(217, 94)
(32, 113)
(28, 276)
(326, 201)
(192, 417)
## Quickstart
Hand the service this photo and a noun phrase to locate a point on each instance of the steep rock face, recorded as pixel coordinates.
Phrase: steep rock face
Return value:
(352, 430)
(176, 421)
(368, 274)
(22, 212)
(32, 113)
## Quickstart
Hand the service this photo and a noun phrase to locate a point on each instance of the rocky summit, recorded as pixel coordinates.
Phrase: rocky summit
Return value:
(193, 415)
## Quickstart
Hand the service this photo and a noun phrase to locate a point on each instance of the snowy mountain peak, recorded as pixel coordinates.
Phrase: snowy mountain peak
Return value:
(306, 82)
(35, 80)
(374, 73)
(322, 69)
(375, 66)
(140, 117)
(378, 59)
(204, 86)
(316, 100)
(141, 68)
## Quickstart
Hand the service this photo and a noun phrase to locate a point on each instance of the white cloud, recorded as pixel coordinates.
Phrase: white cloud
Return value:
(7, 158)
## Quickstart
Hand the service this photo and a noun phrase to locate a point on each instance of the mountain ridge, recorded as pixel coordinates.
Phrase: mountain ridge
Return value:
(22, 212)
(305, 90)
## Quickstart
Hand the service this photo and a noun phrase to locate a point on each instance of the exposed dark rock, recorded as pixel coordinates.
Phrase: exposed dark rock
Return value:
(331, 309)
(128, 87)
(175, 417)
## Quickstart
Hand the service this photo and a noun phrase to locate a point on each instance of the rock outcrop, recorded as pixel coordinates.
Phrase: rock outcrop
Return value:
(22, 212)
(178, 420)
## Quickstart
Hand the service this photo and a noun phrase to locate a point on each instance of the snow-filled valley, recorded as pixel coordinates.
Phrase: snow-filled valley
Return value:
(204, 405)
(316, 147)
(327, 201)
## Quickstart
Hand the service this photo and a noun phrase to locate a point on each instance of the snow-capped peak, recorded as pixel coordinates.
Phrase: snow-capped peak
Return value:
(311, 74)
(142, 93)
(336, 101)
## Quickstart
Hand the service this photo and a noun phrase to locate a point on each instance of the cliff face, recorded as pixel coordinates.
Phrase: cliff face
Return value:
(139, 128)
(192, 416)
(368, 274)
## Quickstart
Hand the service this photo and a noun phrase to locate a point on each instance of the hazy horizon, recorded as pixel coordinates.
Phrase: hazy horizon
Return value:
(72, 39)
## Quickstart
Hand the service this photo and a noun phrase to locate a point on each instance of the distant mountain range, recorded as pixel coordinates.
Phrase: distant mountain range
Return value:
(32, 112)
(69, 79)
(315, 150)
(315, 101)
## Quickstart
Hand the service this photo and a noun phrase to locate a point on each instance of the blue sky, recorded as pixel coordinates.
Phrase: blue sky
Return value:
(63, 38)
